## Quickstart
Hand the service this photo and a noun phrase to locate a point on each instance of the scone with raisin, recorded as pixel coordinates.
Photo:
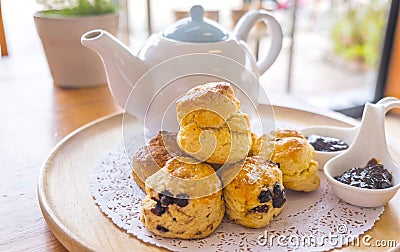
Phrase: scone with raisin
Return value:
(184, 200)
(255, 195)
(152, 157)
(212, 127)
(295, 155)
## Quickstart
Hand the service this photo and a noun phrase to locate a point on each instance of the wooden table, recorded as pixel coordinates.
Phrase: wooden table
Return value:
(35, 115)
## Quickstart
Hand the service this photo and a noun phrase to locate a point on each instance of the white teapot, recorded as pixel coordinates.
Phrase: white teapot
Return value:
(189, 46)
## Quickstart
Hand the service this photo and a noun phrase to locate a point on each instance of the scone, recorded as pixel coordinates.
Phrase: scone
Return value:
(254, 138)
(212, 128)
(184, 200)
(295, 155)
(256, 194)
(152, 157)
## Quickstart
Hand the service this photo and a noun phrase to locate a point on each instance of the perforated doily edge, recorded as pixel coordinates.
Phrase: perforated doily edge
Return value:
(155, 241)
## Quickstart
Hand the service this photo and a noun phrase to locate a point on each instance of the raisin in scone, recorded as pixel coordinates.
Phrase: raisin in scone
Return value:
(152, 157)
(295, 155)
(184, 200)
(212, 128)
(256, 194)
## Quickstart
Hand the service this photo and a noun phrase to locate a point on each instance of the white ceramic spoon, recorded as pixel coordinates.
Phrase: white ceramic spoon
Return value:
(370, 142)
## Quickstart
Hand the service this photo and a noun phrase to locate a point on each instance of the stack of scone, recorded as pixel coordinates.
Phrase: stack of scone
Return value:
(187, 199)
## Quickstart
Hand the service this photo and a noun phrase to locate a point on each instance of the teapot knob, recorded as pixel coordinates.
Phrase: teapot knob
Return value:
(197, 13)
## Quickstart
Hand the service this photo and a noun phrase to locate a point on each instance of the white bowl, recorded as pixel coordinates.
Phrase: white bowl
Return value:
(361, 196)
(345, 134)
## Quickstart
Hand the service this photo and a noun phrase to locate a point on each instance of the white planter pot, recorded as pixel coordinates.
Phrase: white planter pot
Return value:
(71, 64)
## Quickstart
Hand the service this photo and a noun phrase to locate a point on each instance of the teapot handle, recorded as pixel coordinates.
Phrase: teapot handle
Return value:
(244, 26)
(389, 103)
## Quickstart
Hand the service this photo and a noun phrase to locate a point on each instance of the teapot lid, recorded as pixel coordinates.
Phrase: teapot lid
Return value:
(196, 28)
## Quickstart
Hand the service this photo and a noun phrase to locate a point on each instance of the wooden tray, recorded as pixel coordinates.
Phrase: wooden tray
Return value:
(64, 188)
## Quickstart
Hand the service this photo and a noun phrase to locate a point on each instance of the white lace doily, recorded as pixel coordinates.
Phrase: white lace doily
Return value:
(318, 220)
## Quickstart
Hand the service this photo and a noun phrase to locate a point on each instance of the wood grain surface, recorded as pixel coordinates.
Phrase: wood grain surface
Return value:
(34, 117)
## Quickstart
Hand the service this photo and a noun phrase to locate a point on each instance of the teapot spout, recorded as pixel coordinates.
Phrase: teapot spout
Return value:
(123, 69)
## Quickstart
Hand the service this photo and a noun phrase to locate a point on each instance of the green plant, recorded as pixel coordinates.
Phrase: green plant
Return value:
(78, 8)
(357, 35)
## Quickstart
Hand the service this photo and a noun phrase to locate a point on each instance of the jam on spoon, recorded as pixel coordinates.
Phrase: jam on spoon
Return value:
(327, 144)
(372, 176)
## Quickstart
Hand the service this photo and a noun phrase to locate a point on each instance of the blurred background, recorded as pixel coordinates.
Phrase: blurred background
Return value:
(331, 49)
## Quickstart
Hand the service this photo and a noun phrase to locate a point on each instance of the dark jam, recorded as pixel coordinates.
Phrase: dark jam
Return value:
(372, 176)
(327, 144)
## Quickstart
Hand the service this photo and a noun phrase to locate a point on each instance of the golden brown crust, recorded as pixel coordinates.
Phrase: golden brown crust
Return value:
(208, 91)
(182, 214)
(246, 198)
(166, 140)
(217, 97)
(152, 157)
(188, 168)
(281, 133)
(185, 175)
(212, 128)
(295, 155)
